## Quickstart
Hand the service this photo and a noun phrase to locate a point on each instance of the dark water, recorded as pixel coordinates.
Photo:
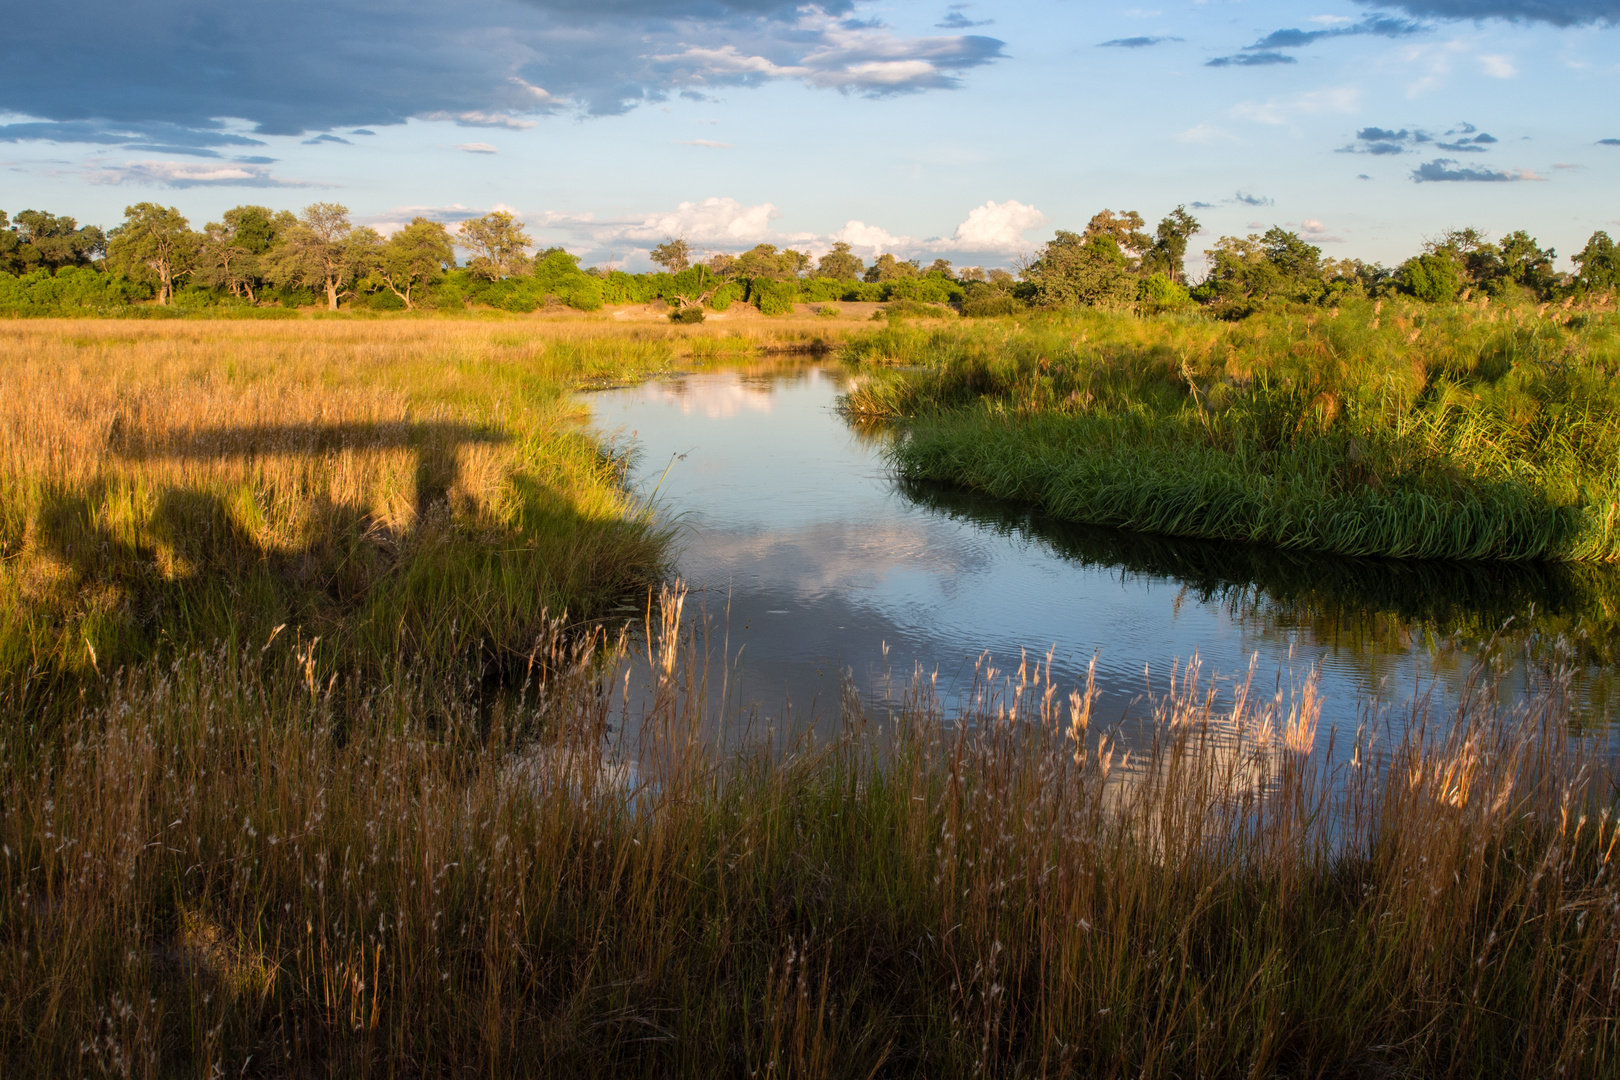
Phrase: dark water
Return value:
(811, 562)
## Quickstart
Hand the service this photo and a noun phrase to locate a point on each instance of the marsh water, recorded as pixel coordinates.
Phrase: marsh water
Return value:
(813, 568)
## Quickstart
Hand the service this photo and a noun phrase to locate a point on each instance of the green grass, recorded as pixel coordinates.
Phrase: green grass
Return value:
(1455, 433)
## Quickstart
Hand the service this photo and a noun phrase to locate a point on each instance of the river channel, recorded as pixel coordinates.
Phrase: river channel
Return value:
(813, 567)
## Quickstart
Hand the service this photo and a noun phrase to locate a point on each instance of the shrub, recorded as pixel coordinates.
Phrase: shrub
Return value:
(989, 306)
(722, 298)
(686, 315)
(773, 297)
(1431, 278)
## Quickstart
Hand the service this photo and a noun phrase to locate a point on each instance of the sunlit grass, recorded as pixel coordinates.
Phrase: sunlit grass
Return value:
(1467, 432)
(228, 868)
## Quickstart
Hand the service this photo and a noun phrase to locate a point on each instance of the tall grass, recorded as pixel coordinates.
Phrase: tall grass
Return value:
(219, 871)
(426, 487)
(1467, 432)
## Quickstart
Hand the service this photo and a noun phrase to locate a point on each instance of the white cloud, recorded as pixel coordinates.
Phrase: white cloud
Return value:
(869, 240)
(716, 221)
(1498, 67)
(476, 118)
(997, 227)
(477, 148)
(1342, 99)
(188, 174)
(1204, 134)
(714, 144)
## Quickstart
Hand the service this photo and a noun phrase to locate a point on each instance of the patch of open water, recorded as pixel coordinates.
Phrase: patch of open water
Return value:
(813, 563)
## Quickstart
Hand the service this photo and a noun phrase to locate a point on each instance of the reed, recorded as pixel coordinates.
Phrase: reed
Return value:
(227, 868)
(1468, 433)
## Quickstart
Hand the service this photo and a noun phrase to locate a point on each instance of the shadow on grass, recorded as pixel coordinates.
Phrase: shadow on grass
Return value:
(463, 584)
(436, 444)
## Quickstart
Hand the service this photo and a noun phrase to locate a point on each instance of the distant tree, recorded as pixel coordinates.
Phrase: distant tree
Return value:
(223, 262)
(499, 245)
(258, 228)
(154, 243)
(840, 264)
(1168, 251)
(674, 254)
(1247, 271)
(323, 249)
(792, 263)
(942, 268)
(1124, 229)
(41, 241)
(1525, 262)
(1001, 278)
(970, 273)
(1075, 270)
(1432, 277)
(1598, 264)
(891, 268)
(722, 264)
(413, 258)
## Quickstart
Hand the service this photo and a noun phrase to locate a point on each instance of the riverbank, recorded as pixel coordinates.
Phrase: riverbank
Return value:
(1469, 432)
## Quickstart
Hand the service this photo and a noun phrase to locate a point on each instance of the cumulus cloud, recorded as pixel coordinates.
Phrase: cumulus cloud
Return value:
(327, 65)
(189, 174)
(1556, 12)
(1248, 198)
(1450, 171)
(1313, 230)
(997, 227)
(478, 148)
(726, 224)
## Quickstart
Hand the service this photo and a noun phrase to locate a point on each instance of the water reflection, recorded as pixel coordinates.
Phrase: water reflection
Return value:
(811, 565)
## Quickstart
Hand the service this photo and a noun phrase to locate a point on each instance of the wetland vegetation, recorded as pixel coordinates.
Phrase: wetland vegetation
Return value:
(316, 755)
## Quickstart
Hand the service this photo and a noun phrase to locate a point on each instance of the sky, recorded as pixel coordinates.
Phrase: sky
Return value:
(968, 131)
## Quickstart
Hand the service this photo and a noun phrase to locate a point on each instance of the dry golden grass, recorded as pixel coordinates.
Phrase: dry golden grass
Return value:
(384, 484)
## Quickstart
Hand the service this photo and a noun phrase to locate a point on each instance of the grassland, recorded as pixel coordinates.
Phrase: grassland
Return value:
(261, 814)
(1468, 432)
(419, 487)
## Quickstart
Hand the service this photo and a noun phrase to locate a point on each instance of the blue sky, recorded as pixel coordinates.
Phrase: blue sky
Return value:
(968, 131)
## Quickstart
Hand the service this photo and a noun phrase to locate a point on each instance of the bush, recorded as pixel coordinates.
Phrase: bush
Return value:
(1431, 278)
(773, 297)
(911, 309)
(983, 307)
(722, 298)
(686, 315)
(1157, 292)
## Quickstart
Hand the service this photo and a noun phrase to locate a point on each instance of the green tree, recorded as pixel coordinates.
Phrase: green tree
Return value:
(156, 244)
(323, 249)
(765, 261)
(1526, 262)
(674, 254)
(1168, 252)
(413, 258)
(1075, 270)
(941, 268)
(1431, 277)
(1124, 229)
(892, 268)
(840, 264)
(42, 241)
(499, 245)
(1598, 264)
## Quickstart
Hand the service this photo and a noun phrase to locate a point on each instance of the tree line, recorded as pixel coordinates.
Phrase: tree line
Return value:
(255, 257)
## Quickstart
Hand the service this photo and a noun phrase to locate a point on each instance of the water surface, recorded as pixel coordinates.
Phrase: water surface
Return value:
(812, 564)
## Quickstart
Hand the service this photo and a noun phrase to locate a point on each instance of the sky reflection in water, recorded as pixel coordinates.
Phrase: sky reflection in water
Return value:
(810, 559)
